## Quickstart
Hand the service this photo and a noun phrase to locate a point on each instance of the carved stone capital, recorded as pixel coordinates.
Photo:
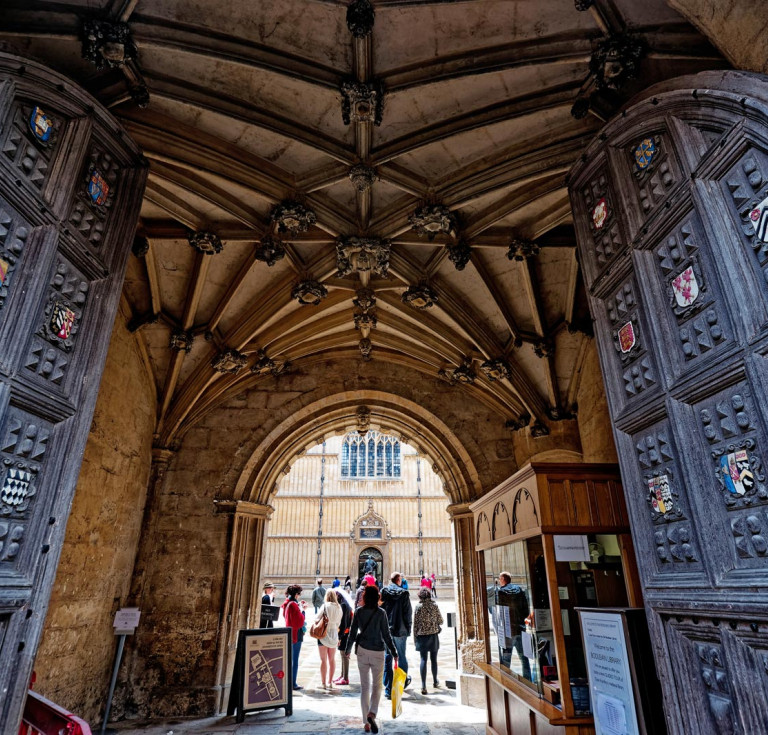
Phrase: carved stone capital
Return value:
(264, 365)
(362, 176)
(292, 216)
(140, 246)
(107, 43)
(459, 253)
(366, 320)
(365, 299)
(269, 250)
(181, 340)
(497, 369)
(462, 374)
(362, 102)
(363, 420)
(139, 94)
(366, 347)
(432, 220)
(539, 430)
(519, 423)
(245, 508)
(582, 5)
(360, 18)
(558, 413)
(229, 361)
(544, 348)
(206, 242)
(362, 255)
(521, 249)
(421, 296)
(615, 60)
(309, 292)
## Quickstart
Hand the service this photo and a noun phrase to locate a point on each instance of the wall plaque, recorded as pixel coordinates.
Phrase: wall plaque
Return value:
(368, 533)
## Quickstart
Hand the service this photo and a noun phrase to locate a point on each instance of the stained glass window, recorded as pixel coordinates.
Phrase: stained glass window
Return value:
(374, 455)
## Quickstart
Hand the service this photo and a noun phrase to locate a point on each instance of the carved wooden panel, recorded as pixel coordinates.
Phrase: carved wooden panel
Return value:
(691, 278)
(70, 188)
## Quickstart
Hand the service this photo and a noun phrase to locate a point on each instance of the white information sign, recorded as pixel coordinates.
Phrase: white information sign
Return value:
(571, 548)
(610, 680)
(126, 620)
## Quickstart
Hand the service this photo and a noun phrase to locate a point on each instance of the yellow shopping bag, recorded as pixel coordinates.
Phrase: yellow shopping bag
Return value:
(398, 684)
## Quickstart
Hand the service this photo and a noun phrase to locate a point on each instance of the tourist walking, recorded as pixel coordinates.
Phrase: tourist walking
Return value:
(370, 636)
(348, 585)
(427, 623)
(318, 595)
(336, 583)
(330, 641)
(433, 579)
(396, 602)
(294, 619)
(344, 628)
(359, 593)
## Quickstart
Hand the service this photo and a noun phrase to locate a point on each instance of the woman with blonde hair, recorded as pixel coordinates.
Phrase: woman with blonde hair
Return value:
(330, 641)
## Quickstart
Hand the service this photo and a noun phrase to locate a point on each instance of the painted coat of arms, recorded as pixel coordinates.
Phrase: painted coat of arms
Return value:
(759, 218)
(600, 214)
(644, 153)
(62, 320)
(627, 338)
(685, 287)
(737, 475)
(661, 494)
(98, 188)
(40, 125)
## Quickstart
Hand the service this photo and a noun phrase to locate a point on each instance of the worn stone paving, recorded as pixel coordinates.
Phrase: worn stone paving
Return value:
(338, 712)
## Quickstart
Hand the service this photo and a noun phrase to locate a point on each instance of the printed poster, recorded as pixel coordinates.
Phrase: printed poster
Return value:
(266, 671)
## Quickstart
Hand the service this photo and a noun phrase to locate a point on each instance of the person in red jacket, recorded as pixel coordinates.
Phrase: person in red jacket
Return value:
(294, 619)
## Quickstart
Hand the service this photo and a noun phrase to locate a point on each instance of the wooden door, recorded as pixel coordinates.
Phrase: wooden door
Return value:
(71, 184)
(671, 210)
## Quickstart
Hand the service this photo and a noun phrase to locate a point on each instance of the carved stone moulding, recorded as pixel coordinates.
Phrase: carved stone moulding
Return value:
(269, 250)
(459, 253)
(462, 374)
(432, 220)
(544, 348)
(208, 243)
(264, 365)
(421, 296)
(229, 361)
(497, 369)
(140, 246)
(539, 430)
(363, 420)
(521, 249)
(181, 340)
(309, 292)
(107, 43)
(363, 255)
(365, 299)
(366, 347)
(519, 423)
(362, 176)
(558, 413)
(360, 18)
(362, 102)
(365, 321)
(292, 216)
(615, 60)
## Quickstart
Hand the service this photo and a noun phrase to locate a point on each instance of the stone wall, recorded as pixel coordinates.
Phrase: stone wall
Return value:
(75, 657)
(171, 667)
(594, 423)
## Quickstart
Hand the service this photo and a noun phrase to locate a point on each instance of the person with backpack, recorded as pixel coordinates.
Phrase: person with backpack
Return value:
(329, 642)
(369, 637)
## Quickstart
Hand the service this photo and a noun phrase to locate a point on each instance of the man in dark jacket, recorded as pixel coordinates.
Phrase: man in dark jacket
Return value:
(512, 597)
(396, 602)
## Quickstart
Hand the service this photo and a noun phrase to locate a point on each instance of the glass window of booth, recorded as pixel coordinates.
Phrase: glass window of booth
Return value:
(521, 615)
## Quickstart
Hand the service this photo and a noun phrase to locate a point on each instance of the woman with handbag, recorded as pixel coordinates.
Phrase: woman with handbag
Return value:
(329, 641)
(294, 619)
(369, 635)
(427, 622)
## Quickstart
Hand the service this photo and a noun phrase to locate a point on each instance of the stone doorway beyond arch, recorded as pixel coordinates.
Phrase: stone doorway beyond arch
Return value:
(375, 567)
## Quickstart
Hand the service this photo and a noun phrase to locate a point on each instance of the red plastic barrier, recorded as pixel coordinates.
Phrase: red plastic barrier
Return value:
(43, 717)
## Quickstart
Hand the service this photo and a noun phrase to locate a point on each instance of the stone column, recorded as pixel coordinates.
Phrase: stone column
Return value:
(242, 602)
(468, 605)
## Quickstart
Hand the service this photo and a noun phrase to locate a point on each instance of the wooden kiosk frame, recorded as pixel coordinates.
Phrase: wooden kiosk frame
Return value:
(545, 501)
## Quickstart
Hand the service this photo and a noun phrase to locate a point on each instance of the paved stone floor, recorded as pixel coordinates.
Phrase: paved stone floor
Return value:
(338, 712)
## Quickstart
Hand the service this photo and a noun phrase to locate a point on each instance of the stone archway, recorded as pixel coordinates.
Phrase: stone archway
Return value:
(258, 484)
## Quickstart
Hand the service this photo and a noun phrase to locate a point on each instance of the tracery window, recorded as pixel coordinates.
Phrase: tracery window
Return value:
(372, 455)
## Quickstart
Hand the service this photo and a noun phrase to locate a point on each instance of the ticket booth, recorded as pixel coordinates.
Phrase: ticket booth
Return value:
(550, 539)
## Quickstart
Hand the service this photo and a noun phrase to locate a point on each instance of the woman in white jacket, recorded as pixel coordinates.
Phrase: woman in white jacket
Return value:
(330, 641)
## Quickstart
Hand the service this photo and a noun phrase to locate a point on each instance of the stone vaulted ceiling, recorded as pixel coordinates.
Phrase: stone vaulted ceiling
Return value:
(277, 175)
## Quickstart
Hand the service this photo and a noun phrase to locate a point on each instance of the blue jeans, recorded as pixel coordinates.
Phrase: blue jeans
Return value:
(296, 651)
(402, 662)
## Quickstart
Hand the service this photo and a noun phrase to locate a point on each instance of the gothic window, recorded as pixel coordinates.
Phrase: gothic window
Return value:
(374, 455)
